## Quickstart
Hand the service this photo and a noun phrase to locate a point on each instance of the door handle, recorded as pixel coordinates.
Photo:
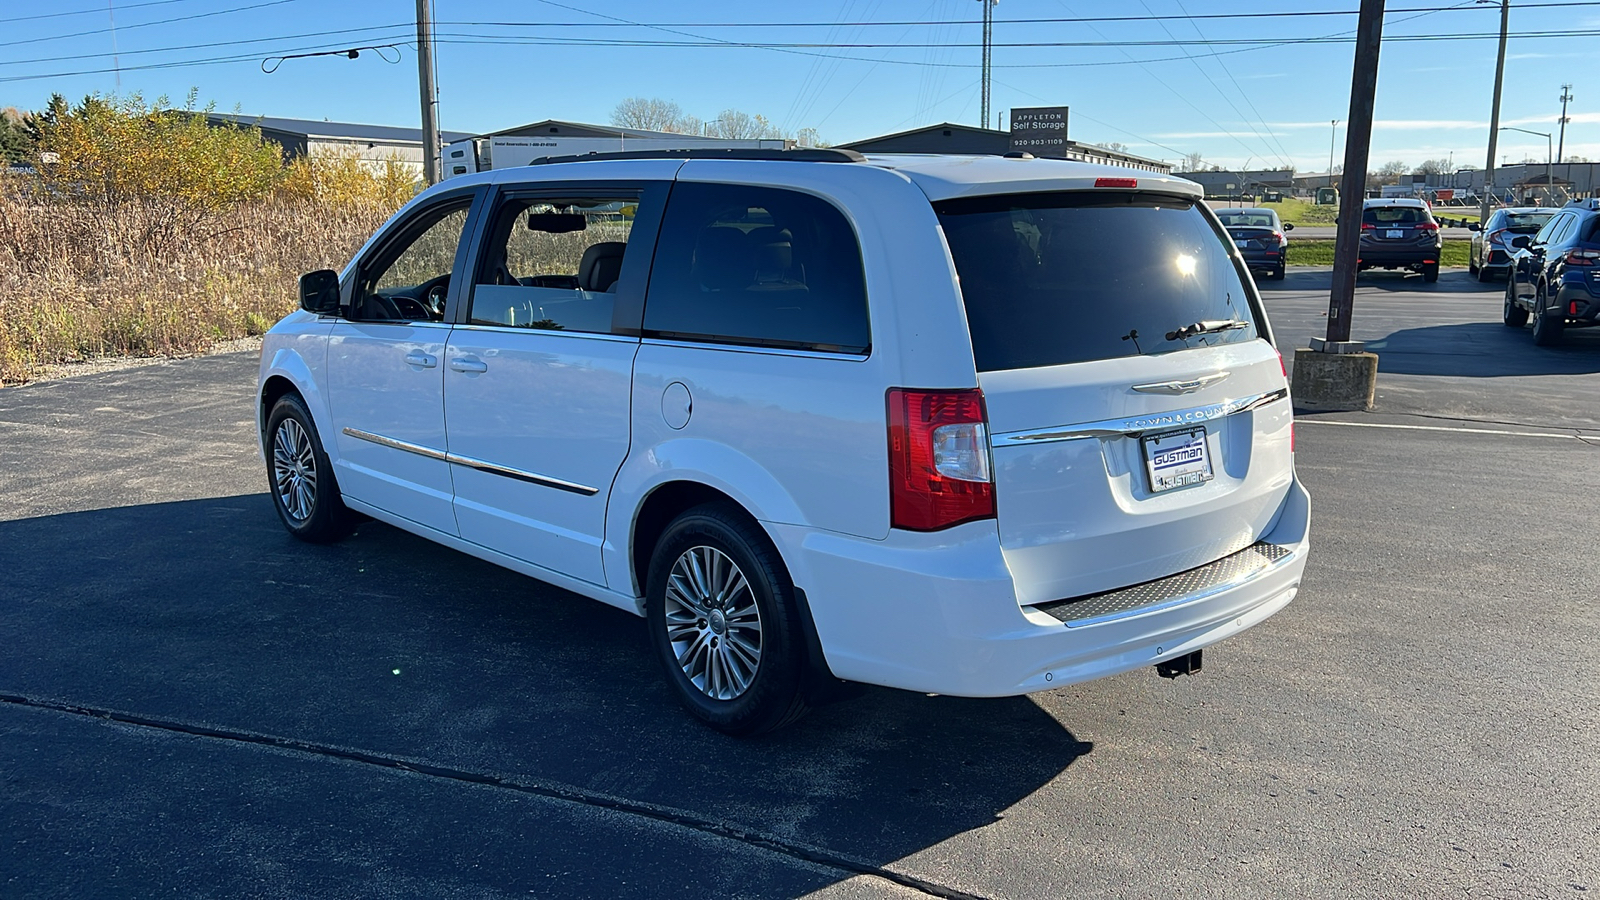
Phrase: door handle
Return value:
(421, 359)
(463, 364)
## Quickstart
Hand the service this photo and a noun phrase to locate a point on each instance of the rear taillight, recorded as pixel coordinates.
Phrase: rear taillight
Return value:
(1368, 226)
(1496, 237)
(1116, 182)
(1582, 257)
(1278, 236)
(1427, 226)
(938, 459)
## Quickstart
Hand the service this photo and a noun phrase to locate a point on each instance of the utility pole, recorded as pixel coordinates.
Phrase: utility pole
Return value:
(1357, 146)
(988, 53)
(1494, 114)
(1566, 97)
(430, 95)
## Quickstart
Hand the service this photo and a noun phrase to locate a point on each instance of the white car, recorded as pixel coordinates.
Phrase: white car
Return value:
(977, 426)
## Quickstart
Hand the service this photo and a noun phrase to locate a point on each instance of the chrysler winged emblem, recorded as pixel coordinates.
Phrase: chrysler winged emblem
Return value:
(1181, 387)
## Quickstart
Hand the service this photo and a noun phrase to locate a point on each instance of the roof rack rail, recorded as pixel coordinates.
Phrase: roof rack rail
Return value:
(1586, 203)
(800, 155)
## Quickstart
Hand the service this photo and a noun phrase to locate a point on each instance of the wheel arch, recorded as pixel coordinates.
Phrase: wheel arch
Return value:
(288, 372)
(670, 499)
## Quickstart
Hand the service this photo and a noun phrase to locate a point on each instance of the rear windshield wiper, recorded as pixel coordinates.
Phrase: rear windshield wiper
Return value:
(1206, 326)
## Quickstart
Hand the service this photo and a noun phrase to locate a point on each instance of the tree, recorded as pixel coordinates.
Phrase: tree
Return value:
(16, 145)
(110, 155)
(1116, 146)
(1433, 167)
(1575, 158)
(736, 125)
(1390, 172)
(1193, 163)
(654, 114)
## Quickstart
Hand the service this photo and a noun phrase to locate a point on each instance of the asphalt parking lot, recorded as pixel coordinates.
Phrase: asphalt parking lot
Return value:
(194, 704)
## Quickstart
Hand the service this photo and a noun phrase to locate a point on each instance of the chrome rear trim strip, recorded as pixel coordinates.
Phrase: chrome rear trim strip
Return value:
(480, 465)
(1137, 424)
(407, 446)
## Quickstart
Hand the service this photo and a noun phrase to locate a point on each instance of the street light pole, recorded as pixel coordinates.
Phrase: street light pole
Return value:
(1333, 135)
(1549, 187)
(1494, 114)
(1357, 147)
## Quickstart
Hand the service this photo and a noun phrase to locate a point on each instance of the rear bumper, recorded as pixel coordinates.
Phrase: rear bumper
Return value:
(1396, 257)
(1579, 295)
(1263, 259)
(938, 612)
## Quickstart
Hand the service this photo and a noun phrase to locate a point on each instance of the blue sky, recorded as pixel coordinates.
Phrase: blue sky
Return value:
(1234, 103)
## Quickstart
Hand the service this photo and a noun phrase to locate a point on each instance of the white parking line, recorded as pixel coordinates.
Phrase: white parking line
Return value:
(1532, 434)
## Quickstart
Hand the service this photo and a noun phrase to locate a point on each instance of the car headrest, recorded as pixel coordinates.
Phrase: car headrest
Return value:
(601, 265)
(724, 259)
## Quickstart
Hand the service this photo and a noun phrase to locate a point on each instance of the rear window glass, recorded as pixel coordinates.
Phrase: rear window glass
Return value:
(1525, 223)
(759, 266)
(1070, 277)
(1394, 215)
(1246, 219)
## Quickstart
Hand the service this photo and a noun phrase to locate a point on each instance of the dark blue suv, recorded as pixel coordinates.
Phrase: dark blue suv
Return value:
(1555, 274)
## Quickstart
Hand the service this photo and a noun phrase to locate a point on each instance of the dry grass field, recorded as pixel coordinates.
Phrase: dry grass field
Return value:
(78, 283)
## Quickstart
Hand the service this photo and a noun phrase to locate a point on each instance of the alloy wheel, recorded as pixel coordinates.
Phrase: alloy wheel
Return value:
(294, 470)
(713, 623)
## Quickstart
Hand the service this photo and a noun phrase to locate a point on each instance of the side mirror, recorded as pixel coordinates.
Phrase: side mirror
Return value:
(319, 292)
(1474, 226)
(1521, 242)
(1288, 226)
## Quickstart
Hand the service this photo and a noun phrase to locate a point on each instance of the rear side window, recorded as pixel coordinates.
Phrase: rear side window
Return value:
(757, 266)
(1075, 276)
(1394, 215)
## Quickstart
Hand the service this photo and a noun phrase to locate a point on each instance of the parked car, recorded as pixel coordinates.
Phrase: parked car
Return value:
(1259, 235)
(815, 416)
(1491, 241)
(1400, 233)
(1554, 276)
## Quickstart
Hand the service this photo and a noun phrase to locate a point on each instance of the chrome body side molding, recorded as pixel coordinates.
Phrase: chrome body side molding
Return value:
(480, 465)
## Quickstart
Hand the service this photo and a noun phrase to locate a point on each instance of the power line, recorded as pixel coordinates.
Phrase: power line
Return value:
(508, 40)
(624, 23)
(204, 15)
(86, 12)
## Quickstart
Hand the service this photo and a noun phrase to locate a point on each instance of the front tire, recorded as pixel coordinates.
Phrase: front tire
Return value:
(725, 624)
(300, 477)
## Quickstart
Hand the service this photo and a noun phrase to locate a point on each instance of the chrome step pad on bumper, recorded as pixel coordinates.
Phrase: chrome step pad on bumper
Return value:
(1183, 587)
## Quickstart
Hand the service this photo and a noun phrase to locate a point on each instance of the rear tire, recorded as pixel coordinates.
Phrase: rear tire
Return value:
(1547, 328)
(1514, 315)
(1277, 274)
(725, 624)
(300, 478)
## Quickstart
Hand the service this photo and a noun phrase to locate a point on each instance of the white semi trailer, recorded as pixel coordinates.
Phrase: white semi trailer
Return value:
(503, 152)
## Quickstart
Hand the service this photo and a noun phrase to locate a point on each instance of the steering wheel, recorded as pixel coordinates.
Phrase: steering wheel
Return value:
(434, 291)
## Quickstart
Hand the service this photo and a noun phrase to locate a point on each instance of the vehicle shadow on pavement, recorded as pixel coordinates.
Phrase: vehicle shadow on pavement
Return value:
(1484, 350)
(204, 611)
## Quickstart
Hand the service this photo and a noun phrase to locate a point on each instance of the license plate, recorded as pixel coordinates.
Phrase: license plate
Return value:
(1394, 234)
(1241, 244)
(1176, 459)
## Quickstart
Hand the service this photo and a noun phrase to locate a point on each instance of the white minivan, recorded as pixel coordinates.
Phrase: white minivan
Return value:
(966, 425)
